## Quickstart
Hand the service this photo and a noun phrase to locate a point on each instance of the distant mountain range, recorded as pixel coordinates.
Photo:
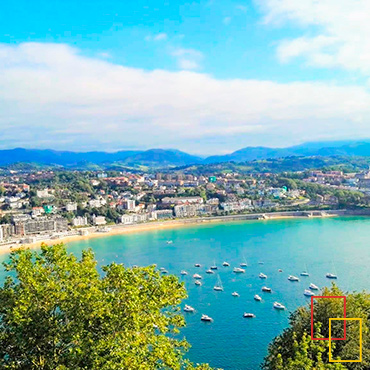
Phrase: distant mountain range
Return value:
(170, 157)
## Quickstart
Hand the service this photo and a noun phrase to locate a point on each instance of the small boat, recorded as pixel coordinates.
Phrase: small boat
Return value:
(188, 308)
(183, 272)
(313, 287)
(226, 264)
(249, 315)
(214, 267)
(197, 282)
(293, 278)
(218, 287)
(161, 269)
(169, 241)
(260, 263)
(244, 263)
(238, 270)
(279, 306)
(209, 271)
(235, 294)
(330, 275)
(280, 270)
(197, 264)
(164, 272)
(308, 293)
(257, 298)
(206, 318)
(197, 276)
(305, 272)
(262, 276)
(266, 289)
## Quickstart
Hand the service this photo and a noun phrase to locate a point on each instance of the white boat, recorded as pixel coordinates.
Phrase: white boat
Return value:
(226, 264)
(244, 263)
(197, 276)
(169, 241)
(330, 275)
(188, 308)
(197, 264)
(206, 318)
(262, 276)
(235, 294)
(213, 267)
(266, 289)
(164, 271)
(197, 282)
(257, 298)
(218, 287)
(162, 268)
(308, 293)
(249, 315)
(238, 270)
(305, 272)
(279, 306)
(293, 278)
(209, 271)
(183, 272)
(313, 287)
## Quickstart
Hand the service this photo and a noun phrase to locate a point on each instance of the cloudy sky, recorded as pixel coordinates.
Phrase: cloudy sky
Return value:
(205, 77)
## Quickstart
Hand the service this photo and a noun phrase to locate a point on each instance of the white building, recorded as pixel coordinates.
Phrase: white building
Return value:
(98, 220)
(80, 221)
(128, 204)
(43, 193)
(95, 203)
(134, 218)
(182, 200)
(71, 207)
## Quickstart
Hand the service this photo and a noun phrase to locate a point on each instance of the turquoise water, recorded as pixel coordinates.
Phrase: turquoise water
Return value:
(232, 342)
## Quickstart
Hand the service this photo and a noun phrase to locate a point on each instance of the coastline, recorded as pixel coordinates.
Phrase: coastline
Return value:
(170, 224)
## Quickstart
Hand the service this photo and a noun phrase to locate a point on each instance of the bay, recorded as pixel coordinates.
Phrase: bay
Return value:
(232, 342)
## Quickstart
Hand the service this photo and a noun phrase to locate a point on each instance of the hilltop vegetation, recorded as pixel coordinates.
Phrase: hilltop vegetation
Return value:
(294, 349)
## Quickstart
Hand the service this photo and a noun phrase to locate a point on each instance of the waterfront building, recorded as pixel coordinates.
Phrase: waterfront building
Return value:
(79, 221)
(98, 220)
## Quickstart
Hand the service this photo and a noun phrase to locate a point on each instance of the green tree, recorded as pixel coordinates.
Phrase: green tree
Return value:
(58, 312)
(294, 349)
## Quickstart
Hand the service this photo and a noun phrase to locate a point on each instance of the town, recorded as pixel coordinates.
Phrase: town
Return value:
(54, 203)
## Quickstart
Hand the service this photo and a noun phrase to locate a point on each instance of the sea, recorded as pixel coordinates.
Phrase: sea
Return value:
(317, 245)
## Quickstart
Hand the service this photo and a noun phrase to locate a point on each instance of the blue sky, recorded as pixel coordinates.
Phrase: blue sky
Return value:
(203, 76)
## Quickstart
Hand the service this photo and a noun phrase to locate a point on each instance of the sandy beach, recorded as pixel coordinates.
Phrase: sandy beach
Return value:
(159, 225)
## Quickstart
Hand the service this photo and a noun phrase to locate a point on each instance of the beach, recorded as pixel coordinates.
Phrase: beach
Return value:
(166, 224)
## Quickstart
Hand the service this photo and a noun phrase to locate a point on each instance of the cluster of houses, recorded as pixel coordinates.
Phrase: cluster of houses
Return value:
(139, 198)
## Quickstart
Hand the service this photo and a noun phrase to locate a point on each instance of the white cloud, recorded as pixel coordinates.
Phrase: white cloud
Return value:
(51, 96)
(341, 31)
(162, 36)
(226, 21)
(188, 59)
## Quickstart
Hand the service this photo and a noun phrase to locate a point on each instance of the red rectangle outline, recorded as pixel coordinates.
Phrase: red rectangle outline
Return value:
(344, 316)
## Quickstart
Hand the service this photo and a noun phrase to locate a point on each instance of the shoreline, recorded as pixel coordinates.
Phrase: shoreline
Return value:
(171, 224)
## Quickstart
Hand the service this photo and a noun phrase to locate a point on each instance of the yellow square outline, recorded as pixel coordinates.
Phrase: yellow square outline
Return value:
(345, 319)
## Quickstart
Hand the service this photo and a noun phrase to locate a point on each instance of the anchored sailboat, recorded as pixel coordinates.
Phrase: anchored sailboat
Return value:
(218, 287)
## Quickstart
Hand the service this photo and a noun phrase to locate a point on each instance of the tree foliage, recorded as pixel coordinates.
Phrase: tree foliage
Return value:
(294, 349)
(58, 312)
